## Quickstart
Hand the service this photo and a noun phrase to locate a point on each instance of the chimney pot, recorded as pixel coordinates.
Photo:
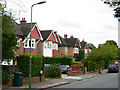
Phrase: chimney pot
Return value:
(23, 21)
(65, 36)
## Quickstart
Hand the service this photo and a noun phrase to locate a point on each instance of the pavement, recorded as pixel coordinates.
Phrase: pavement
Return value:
(50, 82)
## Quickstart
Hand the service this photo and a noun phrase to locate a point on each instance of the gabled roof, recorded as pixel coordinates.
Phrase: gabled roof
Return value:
(83, 44)
(45, 34)
(17, 30)
(71, 41)
(23, 29)
(63, 43)
(26, 28)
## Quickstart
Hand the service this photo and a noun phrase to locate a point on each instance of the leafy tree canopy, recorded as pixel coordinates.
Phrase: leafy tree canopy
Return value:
(9, 39)
(115, 4)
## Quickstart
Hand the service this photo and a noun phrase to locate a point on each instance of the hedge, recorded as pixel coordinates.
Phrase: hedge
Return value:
(90, 65)
(37, 64)
(6, 74)
(59, 60)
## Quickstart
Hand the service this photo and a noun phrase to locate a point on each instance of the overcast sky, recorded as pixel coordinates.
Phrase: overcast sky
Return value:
(90, 20)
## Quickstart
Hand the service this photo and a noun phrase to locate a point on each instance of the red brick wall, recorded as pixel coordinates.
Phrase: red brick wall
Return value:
(27, 51)
(52, 38)
(35, 33)
(55, 52)
(20, 50)
(39, 48)
(75, 68)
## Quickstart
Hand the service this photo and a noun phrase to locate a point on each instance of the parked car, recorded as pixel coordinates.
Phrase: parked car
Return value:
(64, 68)
(113, 68)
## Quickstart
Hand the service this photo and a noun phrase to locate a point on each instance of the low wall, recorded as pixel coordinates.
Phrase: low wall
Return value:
(75, 72)
(26, 80)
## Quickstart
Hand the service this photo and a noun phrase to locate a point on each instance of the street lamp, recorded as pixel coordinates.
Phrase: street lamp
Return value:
(30, 41)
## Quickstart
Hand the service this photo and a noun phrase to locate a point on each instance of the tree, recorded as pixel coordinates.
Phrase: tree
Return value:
(80, 56)
(105, 53)
(9, 39)
(112, 42)
(115, 4)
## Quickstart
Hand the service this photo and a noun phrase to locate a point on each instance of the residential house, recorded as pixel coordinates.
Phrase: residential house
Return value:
(23, 31)
(85, 47)
(50, 43)
(69, 46)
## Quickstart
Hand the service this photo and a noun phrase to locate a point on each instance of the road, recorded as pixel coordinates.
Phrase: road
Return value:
(109, 80)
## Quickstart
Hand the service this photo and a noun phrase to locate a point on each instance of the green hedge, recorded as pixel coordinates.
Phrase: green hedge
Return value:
(6, 74)
(90, 65)
(59, 60)
(37, 64)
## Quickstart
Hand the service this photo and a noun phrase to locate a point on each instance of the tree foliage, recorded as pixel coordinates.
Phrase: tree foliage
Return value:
(115, 4)
(9, 40)
(80, 56)
(105, 53)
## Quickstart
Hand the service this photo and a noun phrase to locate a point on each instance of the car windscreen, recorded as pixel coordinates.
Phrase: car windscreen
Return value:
(112, 65)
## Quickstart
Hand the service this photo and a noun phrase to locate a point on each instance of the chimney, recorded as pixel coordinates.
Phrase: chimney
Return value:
(65, 36)
(71, 36)
(83, 40)
(23, 21)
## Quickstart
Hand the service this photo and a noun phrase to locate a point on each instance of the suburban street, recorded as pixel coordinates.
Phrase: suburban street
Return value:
(109, 80)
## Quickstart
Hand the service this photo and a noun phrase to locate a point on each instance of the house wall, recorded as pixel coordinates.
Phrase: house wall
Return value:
(39, 48)
(62, 51)
(71, 51)
(27, 51)
(35, 34)
(54, 52)
(20, 50)
(47, 48)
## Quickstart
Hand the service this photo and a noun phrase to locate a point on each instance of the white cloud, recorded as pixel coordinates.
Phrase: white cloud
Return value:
(91, 20)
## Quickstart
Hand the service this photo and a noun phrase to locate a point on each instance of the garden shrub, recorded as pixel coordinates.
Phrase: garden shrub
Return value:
(91, 66)
(6, 73)
(59, 60)
(54, 71)
(37, 64)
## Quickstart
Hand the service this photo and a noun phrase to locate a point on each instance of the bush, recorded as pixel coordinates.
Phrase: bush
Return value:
(37, 64)
(91, 66)
(6, 73)
(54, 71)
(59, 60)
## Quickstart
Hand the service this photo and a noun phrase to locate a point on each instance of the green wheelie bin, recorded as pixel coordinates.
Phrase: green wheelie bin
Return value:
(17, 81)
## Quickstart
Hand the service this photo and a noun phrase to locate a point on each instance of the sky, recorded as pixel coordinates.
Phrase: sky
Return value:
(90, 20)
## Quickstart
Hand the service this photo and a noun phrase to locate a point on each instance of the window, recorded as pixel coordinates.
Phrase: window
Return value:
(29, 43)
(48, 44)
(76, 50)
(18, 43)
(85, 50)
(25, 44)
(66, 49)
(33, 43)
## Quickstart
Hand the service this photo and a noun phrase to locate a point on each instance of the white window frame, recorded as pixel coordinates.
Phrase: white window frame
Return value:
(18, 43)
(66, 49)
(86, 51)
(76, 50)
(27, 43)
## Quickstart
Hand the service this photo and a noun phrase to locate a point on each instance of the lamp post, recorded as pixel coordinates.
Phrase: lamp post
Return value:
(30, 41)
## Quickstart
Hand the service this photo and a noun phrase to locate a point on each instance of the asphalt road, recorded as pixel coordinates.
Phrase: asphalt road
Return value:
(109, 80)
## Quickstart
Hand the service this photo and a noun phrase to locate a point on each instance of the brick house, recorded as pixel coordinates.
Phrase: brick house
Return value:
(23, 43)
(69, 46)
(85, 47)
(50, 43)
